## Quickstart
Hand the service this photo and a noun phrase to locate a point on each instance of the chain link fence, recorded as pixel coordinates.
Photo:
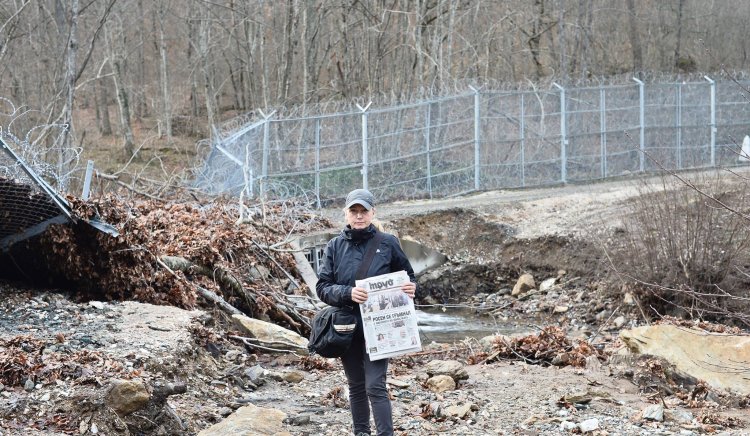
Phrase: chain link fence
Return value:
(484, 140)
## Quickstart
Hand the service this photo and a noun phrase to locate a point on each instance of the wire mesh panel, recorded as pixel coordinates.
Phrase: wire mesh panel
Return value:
(27, 205)
(451, 146)
(396, 147)
(503, 148)
(486, 140)
(621, 133)
(732, 115)
(694, 125)
(234, 163)
(586, 151)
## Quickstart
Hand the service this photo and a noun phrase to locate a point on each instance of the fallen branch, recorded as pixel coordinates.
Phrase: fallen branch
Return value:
(255, 343)
(205, 293)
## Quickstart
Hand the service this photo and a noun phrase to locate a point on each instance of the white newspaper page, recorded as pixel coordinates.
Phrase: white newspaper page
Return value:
(388, 317)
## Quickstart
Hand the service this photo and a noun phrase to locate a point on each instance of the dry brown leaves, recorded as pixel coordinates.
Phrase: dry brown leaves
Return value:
(22, 358)
(126, 267)
(550, 346)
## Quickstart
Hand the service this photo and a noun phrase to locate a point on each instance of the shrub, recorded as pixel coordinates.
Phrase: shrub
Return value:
(685, 246)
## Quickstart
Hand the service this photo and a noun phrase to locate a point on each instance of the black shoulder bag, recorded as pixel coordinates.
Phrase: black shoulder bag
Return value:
(333, 328)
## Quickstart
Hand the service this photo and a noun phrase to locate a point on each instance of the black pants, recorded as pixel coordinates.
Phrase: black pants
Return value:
(367, 381)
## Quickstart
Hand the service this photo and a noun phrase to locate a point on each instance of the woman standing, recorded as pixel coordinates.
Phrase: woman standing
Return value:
(336, 287)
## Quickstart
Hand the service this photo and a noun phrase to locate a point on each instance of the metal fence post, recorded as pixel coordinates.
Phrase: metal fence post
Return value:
(713, 120)
(563, 136)
(523, 141)
(477, 130)
(603, 129)
(87, 180)
(365, 162)
(317, 162)
(428, 120)
(266, 151)
(678, 125)
(642, 121)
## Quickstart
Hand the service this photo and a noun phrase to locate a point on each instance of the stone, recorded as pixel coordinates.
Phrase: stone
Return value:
(628, 299)
(567, 425)
(589, 425)
(256, 375)
(126, 396)
(560, 309)
(400, 384)
(680, 416)
(97, 305)
(269, 332)
(457, 411)
(293, 376)
(225, 411)
(619, 322)
(547, 284)
(593, 364)
(28, 385)
(700, 354)
(441, 383)
(250, 420)
(654, 412)
(452, 368)
(524, 284)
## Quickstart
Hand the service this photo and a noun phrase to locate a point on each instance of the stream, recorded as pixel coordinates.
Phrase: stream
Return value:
(453, 325)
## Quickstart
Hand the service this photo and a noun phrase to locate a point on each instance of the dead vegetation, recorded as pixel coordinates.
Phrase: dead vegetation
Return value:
(684, 248)
(172, 253)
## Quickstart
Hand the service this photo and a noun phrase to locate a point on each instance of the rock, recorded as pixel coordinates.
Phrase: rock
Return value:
(270, 332)
(680, 416)
(400, 384)
(452, 368)
(567, 425)
(547, 284)
(589, 425)
(126, 396)
(457, 411)
(619, 322)
(292, 376)
(2, 386)
(297, 420)
(225, 411)
(441, 383)
(628, 299)
(524, 284)
(250, 420)
(97, 305)
(700, 354)
(256, 375)
(560, 309)
(593, 364)
(654, 412)
(28, 385)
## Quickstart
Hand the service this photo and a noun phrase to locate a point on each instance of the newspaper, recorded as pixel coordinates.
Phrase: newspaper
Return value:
(388, 317)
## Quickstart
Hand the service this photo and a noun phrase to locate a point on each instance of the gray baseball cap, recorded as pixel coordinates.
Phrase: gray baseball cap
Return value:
(360, 196)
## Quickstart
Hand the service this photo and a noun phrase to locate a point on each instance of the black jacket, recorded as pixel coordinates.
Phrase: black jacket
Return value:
(342, 257)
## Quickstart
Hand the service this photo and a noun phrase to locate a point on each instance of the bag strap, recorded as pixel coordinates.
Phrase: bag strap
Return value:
(372, 247)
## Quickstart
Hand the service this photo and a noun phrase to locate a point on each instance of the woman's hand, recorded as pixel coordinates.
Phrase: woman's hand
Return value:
(409, 288)
(359, 295)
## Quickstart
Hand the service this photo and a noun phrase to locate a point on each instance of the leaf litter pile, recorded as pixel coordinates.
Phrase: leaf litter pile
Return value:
(166, 252)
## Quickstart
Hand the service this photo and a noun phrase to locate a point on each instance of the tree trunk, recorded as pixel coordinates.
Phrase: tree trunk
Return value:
(635, 39)
(102, 107)
(166, 98)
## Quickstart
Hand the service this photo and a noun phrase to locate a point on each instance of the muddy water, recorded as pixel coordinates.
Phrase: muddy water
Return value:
(455, 325)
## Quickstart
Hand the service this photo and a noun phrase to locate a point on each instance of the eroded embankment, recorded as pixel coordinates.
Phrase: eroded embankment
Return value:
(484, 256)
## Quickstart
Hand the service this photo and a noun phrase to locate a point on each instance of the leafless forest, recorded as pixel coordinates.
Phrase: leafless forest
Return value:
(177, 67)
